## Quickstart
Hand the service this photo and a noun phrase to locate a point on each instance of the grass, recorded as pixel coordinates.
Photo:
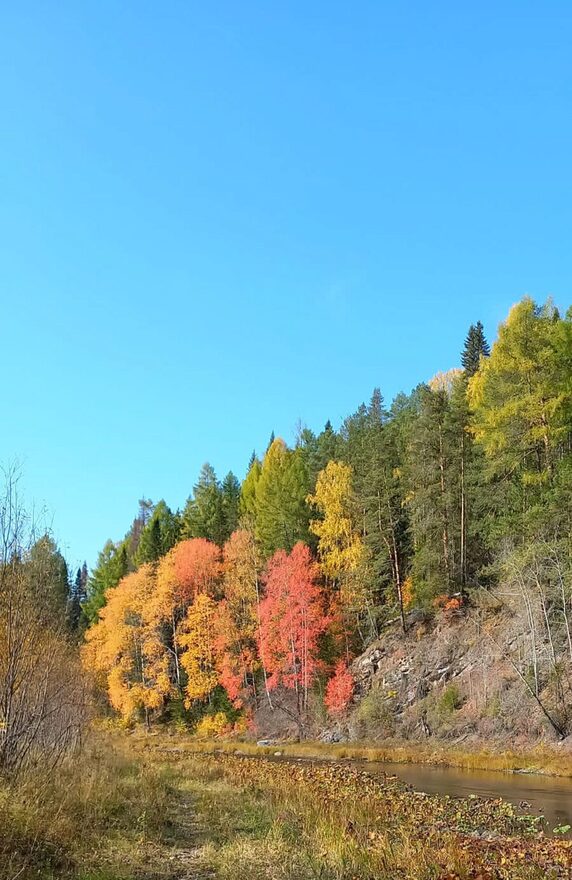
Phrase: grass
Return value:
(337, 821)
(51, 824)
(150, 807)
(543, 759)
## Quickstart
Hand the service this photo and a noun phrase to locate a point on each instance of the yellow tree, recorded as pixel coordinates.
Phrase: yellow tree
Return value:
(122, 652)
(238, 618)
(164, 613)
(341, 551)
(198, 638)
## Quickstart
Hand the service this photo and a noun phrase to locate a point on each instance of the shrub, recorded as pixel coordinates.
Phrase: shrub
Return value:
(212, 725)
(339, 690)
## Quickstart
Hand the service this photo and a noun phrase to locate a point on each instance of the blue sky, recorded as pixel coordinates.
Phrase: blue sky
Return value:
(217, 219)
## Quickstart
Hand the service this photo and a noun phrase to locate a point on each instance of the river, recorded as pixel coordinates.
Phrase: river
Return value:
(549, 796)
(532, 793)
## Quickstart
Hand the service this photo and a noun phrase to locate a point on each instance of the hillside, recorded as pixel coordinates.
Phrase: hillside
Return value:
(449, 680)
(408, 574)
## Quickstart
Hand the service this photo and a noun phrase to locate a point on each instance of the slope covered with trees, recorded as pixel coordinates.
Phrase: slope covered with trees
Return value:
(265, 592)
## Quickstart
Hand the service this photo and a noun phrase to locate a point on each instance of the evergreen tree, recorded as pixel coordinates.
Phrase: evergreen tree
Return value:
(77, 598)
(49, 578)
(317, 451)
(371, 448)
(282, 515)
(432, 479)
(203, 516)
(159, 534)
(112, 565)
(133, 537)
(476, 346)
(230, 498)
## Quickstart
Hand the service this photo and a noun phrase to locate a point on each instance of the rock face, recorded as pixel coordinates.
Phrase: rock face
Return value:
(451, 678)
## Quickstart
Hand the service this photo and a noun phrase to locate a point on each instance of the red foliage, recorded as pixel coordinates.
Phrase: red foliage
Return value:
(198, 567)
(339, 690)
(448, 603)
(237, 659)
(291, 619)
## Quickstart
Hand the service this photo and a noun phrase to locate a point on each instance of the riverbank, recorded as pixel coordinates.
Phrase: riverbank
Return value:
(345, 822)
(148, 807)
(545, 760)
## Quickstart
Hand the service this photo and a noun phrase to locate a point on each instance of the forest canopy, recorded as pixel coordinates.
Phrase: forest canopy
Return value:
(278, 582)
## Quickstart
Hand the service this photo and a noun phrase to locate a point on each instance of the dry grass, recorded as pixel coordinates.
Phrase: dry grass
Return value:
(137, 806)
(336, 822)
(51, 826)
(540, 760)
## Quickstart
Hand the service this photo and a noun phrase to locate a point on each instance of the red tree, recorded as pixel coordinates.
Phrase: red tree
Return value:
(339, 690)
(291, 620)
(198, 567)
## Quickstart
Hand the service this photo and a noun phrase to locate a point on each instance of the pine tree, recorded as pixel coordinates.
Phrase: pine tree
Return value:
(203, 516)
(433, 492)
(476, 346)
(159, 534)
(230, 499)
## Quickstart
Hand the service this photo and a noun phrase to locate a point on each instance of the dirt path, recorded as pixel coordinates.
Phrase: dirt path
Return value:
(184, 855)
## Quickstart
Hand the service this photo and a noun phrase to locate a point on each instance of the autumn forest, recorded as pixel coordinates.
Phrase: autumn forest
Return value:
(266, 591)
(398, 588)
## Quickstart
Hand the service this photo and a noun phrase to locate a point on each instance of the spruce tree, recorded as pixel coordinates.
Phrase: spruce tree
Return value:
(230, 500)
(112, 565)
(159, 535)
(476, 346)
(78, 596)
(203, 516)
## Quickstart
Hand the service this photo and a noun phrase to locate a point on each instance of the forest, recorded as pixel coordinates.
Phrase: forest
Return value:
(439, 526)
(266, 590)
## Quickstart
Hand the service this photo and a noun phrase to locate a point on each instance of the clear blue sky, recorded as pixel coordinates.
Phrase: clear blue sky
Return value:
(219, 218)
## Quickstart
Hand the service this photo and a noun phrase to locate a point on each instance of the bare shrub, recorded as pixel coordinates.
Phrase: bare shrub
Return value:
(42, 698)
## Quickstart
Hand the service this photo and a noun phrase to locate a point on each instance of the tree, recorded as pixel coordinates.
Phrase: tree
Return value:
(341, 550)
(42, 699)
(49, 577)
(133, 536)
(520, 398)
(159, 535)
(281, 512)
(198, 638)
(291, 621)
(317, 451)
(238, 616)
(112, 565)
(203, 516)
(433, 493)
(247, 504)
(122, 653)
(198, 568)
(77, 598)
(164, 613)
(374, 448)
(230, 499)
(476, 347)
